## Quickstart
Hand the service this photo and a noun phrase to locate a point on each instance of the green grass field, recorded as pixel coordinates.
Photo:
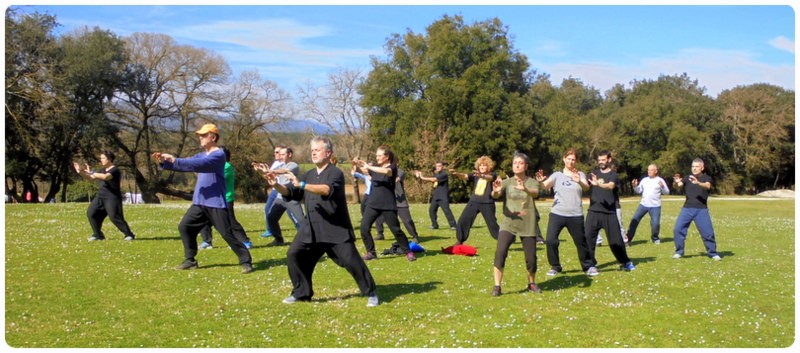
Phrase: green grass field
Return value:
(62, 291)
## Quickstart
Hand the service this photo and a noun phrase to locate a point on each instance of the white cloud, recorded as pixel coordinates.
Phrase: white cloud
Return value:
(783, 43)
(716, 70)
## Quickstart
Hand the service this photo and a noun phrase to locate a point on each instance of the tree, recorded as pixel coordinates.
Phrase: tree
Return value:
(336, 105)
(466, 80)
(170, 89)
(760, 119)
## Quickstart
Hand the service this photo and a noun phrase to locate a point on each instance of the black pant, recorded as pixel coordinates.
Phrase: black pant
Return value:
(445, 205)
(198, 217)
(301, 258)
(111, 207)
(575, 227)
(504, 241)
(405, 216)
(278, 208)
(236, 227)
(469, 215)
(607, 221)
(390, 217)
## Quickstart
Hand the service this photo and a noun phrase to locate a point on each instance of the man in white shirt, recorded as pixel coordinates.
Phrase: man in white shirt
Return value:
(651, 189)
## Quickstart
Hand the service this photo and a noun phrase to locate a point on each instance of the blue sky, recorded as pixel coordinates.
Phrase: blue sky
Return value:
(721, 46)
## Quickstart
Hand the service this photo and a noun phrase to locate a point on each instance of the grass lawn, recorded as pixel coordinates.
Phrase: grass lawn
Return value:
(62, 291)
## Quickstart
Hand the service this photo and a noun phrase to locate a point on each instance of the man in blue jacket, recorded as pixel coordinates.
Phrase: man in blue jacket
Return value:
(208, 201)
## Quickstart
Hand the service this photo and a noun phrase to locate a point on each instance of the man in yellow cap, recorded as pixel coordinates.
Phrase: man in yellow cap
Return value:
(208, 201)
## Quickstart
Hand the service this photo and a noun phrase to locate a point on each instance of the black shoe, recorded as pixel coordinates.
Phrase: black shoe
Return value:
(432, 227)
(276, 242)
(532, 287)
(247, 268)
(187, 265)
(496, 291)
(369, 256)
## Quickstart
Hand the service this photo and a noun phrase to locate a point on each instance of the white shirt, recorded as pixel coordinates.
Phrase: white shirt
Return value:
(651, 191)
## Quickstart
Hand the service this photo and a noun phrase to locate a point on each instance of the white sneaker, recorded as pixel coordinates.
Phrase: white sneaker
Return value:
(592, 271)
(677, 256)
(716, 258)
(372, 301)
(128, 238)
(290, 300)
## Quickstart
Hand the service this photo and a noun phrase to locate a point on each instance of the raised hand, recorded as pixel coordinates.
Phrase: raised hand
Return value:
(520, 184)
(693, 179)
(576, 175)
(635, 182)
(77, 167)
(593, 180)
(497, 185)
(540, 177)
(677, 178)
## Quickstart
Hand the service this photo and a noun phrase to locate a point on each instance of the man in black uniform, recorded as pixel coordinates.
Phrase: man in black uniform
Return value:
(602, 213)
(108, 201)
(440, 197)
(326, 229)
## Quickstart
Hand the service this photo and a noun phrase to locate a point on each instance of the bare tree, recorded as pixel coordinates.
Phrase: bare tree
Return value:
(336, 105)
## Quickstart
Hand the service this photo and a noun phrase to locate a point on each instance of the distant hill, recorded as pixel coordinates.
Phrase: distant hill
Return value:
(301, 126)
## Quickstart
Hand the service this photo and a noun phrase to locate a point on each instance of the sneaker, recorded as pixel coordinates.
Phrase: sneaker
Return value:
(372, 301)
(248, 244)
(553, 272)
(370, 256)
(94, 238)
(434, 228)
(187, 265)
(452, 228)
(128, 238)
(716, 258)
(592, 271)
(496, 291)
(275, 243)
(599, 243)
(410, 256)
(677, 256)
(628, 266)
(379, 237)
(266, 234)
(247, 268)
(205, 245)
(532, 287)
(540, 242)
(290, 300)
(657, 241)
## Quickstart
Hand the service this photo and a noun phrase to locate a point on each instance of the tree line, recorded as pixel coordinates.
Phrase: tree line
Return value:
(453, 93)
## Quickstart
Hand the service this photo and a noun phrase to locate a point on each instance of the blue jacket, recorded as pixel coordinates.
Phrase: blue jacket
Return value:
(210, 168)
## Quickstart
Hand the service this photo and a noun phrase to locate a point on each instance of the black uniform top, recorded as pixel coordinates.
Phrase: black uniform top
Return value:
(110, 188)
(327, 219)
(381, 196)
(440, 188)
(482, 192)
(604, 200)
(696, 197)
(399, 189)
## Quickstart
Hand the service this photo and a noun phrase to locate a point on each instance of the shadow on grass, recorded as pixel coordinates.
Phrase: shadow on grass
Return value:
(722, 254)
(565, 281)
(257, 266)
(388, 292)
(636, 261)
(138, 238)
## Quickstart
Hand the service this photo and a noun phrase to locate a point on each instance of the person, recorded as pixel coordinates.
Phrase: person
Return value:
(567, 211)
(279, 206)
(519, 219)
(367, 189)
(208, 200)
(326, 229)
(697, 186)
(440, 196)
(602, 212)
(618, 207)
(271, 194)
(651, 188)
(403, 210)
(480, 201)
(381, 202)
(236, 227)
(108, 201)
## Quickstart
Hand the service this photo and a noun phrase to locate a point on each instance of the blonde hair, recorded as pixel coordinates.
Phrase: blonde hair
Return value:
(484, 160)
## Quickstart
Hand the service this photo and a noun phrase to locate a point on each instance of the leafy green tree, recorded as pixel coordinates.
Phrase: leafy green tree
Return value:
(760, 119)
(466, 81)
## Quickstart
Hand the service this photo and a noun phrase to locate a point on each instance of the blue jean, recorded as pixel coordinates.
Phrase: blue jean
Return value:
(702, 220)
(655, 221)
(270, 200)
